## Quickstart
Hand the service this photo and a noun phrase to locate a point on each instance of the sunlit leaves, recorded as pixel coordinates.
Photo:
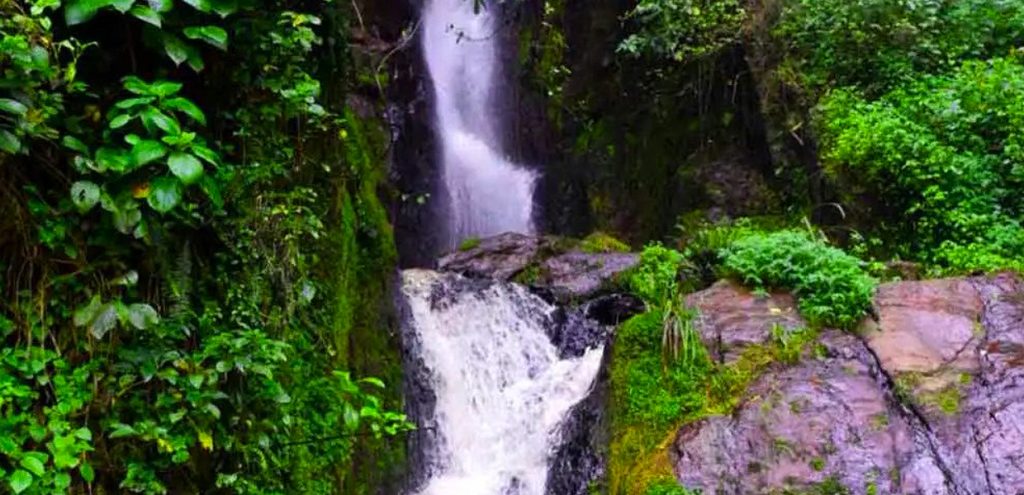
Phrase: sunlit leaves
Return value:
(13, 107)
(19, 481)
(146, 151)
(142, 316)
(187, 107)
(146, 14)
(165, 194)
(211, 34)
(85, 195)
(185, 167)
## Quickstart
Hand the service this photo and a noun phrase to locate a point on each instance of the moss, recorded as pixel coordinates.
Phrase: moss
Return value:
(529, 275)
(652, 400)
(668, 486)
(361, 262)
(818, 464)
(469, 243)
(600, 242)
(946, 400)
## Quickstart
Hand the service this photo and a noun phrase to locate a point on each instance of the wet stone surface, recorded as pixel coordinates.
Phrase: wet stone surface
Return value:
(927, 399)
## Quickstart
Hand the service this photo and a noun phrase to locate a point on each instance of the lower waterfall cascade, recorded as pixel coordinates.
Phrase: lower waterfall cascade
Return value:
(500, 388)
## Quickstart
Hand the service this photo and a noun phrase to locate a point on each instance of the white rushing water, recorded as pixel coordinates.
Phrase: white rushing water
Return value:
(489, 194)
(501, 388)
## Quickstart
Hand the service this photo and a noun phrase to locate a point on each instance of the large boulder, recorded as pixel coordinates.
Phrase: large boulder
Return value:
(926, 398)
(731, 318)
(828, 422)
(551, 265)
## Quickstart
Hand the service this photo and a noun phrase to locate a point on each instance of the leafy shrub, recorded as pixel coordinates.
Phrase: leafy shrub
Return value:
(944, 155)
(469, 243)
(876, 45)
(832, 287)
(656, 278)
(669, 486)
(682, 30)
(600, 242)
(189, 267)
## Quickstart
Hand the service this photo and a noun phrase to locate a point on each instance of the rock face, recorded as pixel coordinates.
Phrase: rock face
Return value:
(548, 264)
(928, 399)
(732, 318)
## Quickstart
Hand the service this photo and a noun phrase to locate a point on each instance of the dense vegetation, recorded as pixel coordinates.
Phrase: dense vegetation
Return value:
(191, 240)
(196, 252)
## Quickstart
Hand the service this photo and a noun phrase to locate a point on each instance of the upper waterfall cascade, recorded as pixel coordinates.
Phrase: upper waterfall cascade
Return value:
(501, 388)
(489, 194)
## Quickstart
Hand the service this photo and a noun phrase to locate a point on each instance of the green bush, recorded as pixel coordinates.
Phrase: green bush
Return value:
(832, 287)
(944, 155)
(669, 486)
(682, 30)
(876, 45)
(601, 242)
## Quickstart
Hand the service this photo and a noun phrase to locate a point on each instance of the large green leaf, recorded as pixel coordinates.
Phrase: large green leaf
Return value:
(185, 167)
(210, 34)
(33, 464)
(165, 194)
(104, 322)
(9, 142)
(79, 11)
(13, 106)
(20, 480)
(224, 8)
(165, 88)
(87, 473)
(134, 102)
(195, 58)
(74, 144)
(175, 48)
(85, 195)
(207, 154)
(87, 313)
(151, 117)
(119, 121)
(147, 150)
(142, 316)
(161, 5)
(186, 107)
(200, 5)
(146, 14)
(112, 159)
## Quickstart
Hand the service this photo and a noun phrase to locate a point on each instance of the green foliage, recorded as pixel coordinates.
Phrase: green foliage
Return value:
(185, 298)
(469, 243)
(876, 45)
(682, 30)
(945, 154)
(601, 242)
(832, 287)
(669, 486)
(655, 279)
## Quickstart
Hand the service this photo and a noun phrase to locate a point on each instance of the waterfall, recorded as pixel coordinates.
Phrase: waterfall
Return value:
(489, 194)
(500, 388)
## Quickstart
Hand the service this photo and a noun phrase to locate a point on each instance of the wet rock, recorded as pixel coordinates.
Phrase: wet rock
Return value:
(929, 328)
(573, 332)
(928, 398)
(953, 349)
(731, 318)
(575, 274)
(828, 420)
(500, 257)
(579, 462)
(549, 265)
(613, 309)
